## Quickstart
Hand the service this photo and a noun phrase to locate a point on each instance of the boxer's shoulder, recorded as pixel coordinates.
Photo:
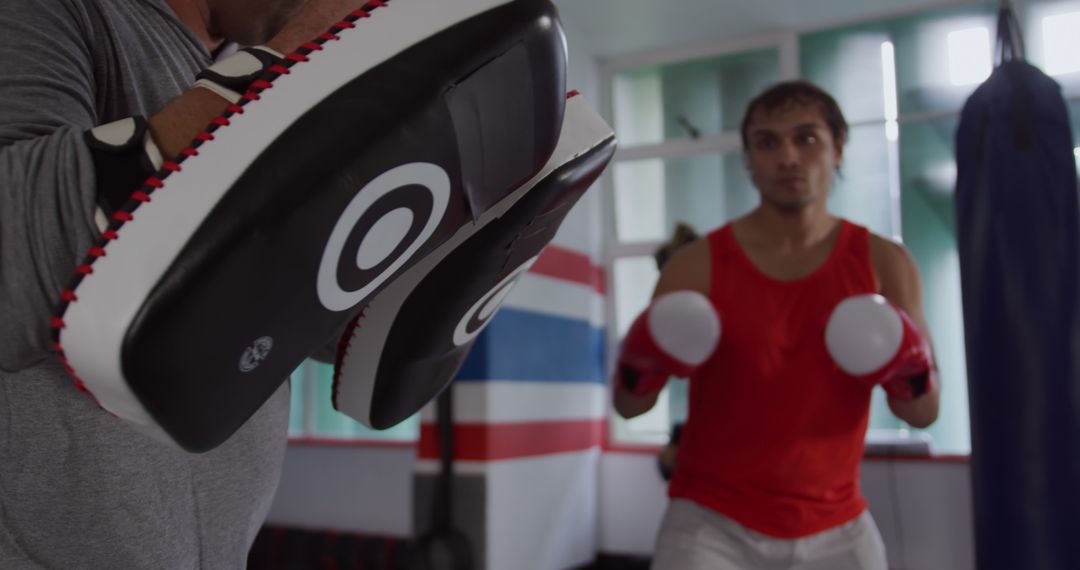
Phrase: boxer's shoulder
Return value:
(894, 266)
(689, 269)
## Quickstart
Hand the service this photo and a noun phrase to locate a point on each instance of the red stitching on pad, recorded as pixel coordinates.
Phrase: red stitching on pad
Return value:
(154, 182)
(342, 352)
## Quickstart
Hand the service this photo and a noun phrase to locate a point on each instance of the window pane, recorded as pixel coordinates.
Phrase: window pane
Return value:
(635, 279)
(297, 388)
(678, 403)
(941, 57)
(847, 63)
(639, 107)
(740, 195)
(928, 176)
(639, 200)
(1052, 41)
(695, 98)
(328, 421)
(652, 196)
(861, 191)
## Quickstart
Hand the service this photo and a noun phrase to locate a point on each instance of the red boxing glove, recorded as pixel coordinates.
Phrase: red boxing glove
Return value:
(675, 335)
(870, 338)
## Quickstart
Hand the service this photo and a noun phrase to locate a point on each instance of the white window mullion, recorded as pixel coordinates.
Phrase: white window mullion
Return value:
(681, 148)
(638, 249)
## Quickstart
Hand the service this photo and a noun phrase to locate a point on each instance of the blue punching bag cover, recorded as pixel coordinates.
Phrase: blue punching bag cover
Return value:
(1017, 233)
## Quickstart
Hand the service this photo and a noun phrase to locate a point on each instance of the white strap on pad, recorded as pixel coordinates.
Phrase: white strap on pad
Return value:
(231, 76)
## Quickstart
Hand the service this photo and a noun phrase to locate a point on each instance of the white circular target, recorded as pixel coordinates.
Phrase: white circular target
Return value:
(479, 315)
(381, 228)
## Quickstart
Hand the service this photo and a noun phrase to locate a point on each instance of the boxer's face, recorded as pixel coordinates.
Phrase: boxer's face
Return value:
(250, 22)
(792, 155)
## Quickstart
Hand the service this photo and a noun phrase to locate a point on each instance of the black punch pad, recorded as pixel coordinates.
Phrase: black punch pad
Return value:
(211, 293)
(413, 337)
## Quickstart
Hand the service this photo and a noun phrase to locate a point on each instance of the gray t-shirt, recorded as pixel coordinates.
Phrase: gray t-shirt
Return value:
(78, 487)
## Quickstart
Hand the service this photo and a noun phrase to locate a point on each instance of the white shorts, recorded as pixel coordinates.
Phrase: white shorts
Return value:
(693, 537)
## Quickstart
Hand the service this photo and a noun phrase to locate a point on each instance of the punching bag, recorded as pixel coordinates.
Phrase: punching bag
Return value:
(1016, 208)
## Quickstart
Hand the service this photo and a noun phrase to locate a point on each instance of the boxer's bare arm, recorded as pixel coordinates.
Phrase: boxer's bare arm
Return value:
(688, 269)
(174, 127)
(900, 283)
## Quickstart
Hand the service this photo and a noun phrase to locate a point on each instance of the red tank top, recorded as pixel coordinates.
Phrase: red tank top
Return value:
(775, 432)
